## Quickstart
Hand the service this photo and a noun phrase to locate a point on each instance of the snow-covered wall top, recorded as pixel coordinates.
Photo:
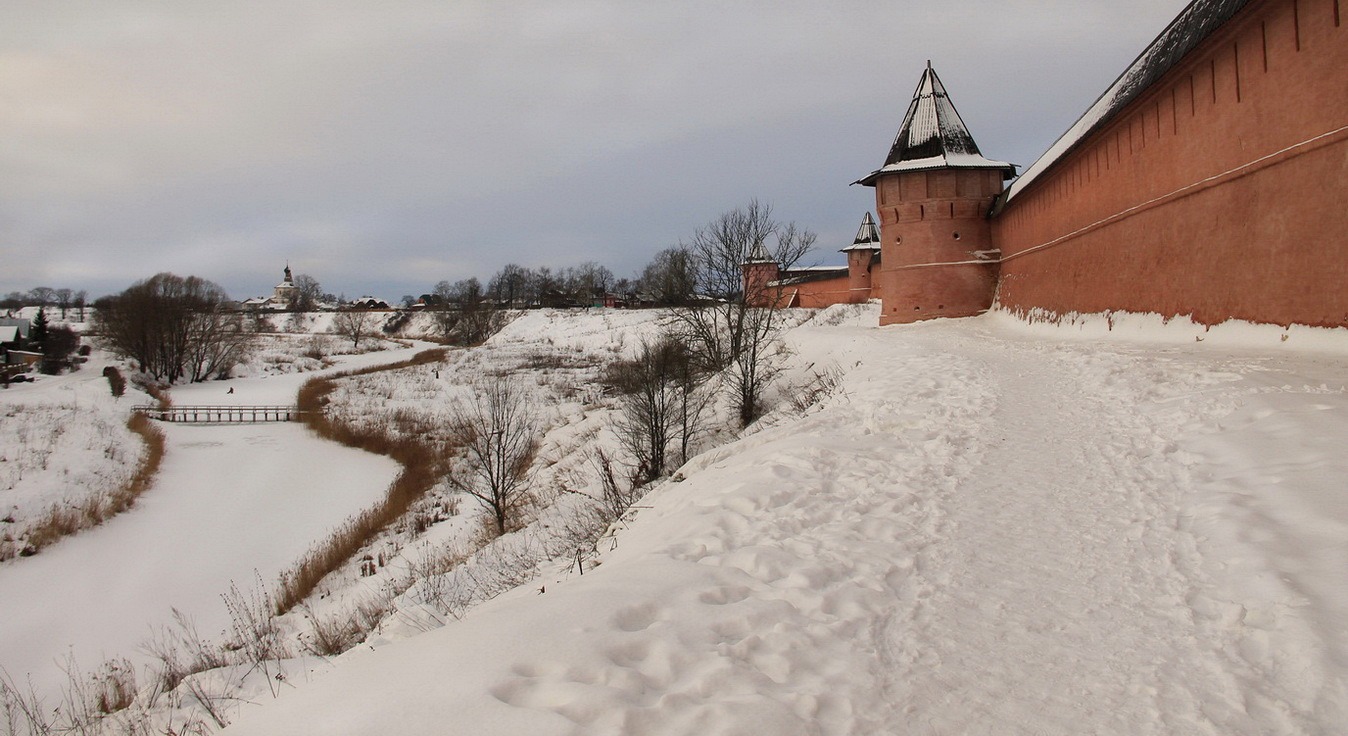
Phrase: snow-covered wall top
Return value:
(1194, 24)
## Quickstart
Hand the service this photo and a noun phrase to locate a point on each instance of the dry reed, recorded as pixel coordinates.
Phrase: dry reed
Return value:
(62, 521)
(421, 468)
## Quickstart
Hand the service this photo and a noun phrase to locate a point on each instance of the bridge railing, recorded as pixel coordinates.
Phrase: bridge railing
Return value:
(202, 414)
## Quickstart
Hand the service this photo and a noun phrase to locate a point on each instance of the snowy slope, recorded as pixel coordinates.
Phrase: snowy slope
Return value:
(990, 531)
(231, 503)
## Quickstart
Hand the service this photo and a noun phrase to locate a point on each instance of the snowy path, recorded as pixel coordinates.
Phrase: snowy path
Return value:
(230, 503)
(1062, 552)
(993, 535)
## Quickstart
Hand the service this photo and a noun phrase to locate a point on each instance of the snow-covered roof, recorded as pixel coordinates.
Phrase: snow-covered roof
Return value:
(933, 136)
(9, 333)
(1194, 24)
(868, 236)
(758, 253)
(806, 274)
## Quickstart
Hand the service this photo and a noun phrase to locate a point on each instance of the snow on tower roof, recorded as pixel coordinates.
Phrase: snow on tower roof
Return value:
(758, 253)
(933, 136)
(868, 236)
(1191, 27)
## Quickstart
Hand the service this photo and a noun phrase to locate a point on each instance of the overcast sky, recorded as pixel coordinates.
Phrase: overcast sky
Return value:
(383, 146)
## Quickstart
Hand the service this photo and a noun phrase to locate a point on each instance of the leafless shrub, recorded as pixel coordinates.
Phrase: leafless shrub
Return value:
(116, 383)
(819, 386)
(317, 347)
(112, 686)
(621, 486)
(500, 436)
(181, 651)
(354, 325)
(333, 634)
(662, 400)
(207, 701)
(22, 708)
(253, 629)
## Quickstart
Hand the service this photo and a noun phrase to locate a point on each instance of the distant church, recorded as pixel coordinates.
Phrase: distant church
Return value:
(1210, 180)
(283, 295)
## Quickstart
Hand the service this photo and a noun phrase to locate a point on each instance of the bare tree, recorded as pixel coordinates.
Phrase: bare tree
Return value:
(463, 313)
(730, 329)
(499, 436)
(219, 341)
(64, 297)
(81, 300)
(511, 285)
(165, 323)
(671, 277)
(587, 281)
(662, 405)
(42, 296)
(308, 293)
(353, 324)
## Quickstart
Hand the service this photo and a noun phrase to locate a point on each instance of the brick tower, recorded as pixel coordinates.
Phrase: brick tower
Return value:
(933, 195)
(862, 255)
(758, 272)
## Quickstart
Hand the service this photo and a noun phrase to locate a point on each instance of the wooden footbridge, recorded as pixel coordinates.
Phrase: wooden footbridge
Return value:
(221, 414)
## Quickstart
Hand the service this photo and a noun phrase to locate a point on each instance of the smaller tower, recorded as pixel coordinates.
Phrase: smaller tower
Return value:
(759, 270)
(862, 256)
(933, 195)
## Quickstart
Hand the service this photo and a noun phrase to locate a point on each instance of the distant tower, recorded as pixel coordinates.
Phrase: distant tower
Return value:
(862, 254)
(933, 195)
(284, 292)
(759, 270)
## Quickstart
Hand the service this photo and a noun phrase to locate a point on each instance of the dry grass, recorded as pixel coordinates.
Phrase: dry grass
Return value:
(331, 635)
(422, 467)
(62, 521)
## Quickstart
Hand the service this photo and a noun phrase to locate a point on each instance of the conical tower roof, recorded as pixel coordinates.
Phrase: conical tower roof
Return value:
(868, 236)
(758, 253)
(933, 136)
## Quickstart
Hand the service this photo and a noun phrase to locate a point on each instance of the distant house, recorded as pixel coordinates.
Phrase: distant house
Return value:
(13, 333)
(12, 358)
(368, 302)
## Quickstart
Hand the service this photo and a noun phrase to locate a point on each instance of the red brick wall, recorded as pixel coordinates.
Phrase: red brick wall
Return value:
(822, 293)
(1221, 192)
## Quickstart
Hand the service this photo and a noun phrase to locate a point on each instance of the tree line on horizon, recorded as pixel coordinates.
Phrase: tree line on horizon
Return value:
(179, 328)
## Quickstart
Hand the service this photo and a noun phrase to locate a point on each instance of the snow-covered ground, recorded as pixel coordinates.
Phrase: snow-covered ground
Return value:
(1106, 526)
(992, 530)
(231, 504)
(63, 439)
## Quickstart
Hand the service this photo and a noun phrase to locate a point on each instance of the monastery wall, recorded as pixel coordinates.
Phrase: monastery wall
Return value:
(823, 293)
(1220, 192)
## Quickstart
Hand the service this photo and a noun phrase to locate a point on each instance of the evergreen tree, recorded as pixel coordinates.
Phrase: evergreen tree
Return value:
(37, 334)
